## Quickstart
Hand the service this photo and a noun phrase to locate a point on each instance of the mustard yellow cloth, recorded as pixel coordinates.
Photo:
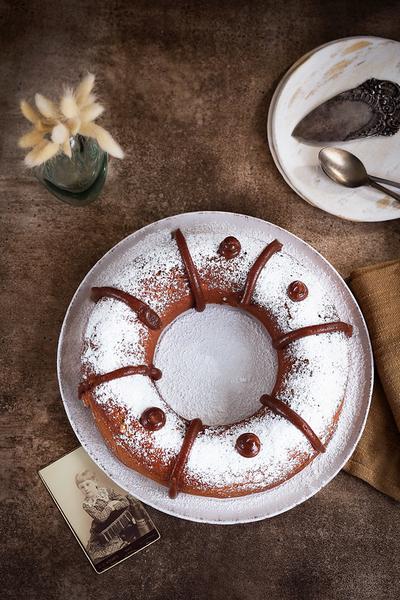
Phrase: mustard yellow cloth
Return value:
(376, 458)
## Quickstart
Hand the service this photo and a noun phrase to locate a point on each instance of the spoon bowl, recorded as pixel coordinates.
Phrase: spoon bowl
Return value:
(343, 167)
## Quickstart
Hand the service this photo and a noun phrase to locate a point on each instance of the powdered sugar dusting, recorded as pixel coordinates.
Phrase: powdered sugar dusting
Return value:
(113, 337)
(215, 364)
(153, 265)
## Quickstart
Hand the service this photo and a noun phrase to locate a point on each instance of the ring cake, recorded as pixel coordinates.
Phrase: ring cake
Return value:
(170, 274)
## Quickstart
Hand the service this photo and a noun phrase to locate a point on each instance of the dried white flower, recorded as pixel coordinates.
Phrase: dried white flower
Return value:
(29, 112)
(53, 124)
(68, 105)
(48, 109)
(32, 138)
(40, 153)
(104, 139)
(91, 112)
(59, 134)
(83, 91)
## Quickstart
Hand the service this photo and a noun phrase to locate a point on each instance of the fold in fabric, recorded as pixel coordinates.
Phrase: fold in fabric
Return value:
(376, 458)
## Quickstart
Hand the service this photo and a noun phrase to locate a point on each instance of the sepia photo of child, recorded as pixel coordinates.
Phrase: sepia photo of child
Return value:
(118, 519)
(109, 523)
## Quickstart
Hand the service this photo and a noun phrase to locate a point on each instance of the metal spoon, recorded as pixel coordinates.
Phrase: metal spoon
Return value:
(345, 168)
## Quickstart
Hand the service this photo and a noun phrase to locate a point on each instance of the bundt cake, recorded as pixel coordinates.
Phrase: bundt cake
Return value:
(167, 275)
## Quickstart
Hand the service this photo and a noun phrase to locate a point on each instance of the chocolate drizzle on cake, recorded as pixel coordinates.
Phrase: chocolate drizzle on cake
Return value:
(286, 338)
(145, 314)
(194, 428)
(94, 380)
(229, 247)
(297, 291)
(256, 269)
(191, 271)
(283, 410)
(248, 445)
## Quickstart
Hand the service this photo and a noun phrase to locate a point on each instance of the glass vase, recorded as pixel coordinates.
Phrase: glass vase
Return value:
(77, 180)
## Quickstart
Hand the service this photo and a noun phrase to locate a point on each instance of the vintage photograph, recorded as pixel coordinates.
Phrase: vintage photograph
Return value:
(109, 523)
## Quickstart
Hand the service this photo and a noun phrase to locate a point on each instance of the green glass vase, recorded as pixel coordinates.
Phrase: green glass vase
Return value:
(77, 180)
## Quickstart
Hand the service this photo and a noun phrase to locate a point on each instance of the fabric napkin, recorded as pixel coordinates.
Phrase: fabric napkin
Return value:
(376, 458)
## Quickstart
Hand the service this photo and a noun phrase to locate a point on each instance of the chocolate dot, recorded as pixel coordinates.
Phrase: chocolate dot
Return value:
(248, 445)
(297, 291)
(229, 247)
(152, 418)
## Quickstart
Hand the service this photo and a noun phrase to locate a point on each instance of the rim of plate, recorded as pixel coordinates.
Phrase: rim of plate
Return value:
(271, 114)
(312, 489)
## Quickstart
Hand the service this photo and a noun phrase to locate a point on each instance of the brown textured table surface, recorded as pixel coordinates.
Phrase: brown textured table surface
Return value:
(187, 87)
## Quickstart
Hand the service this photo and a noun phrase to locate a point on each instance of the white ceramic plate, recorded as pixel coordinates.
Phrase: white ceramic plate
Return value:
(255, 506)
(316, 77)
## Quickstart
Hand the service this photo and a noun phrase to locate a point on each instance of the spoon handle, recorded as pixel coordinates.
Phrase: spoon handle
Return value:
(381, 188)
(387, 181)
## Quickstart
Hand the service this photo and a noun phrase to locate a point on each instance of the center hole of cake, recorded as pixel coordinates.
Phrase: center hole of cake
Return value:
(215, 364)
